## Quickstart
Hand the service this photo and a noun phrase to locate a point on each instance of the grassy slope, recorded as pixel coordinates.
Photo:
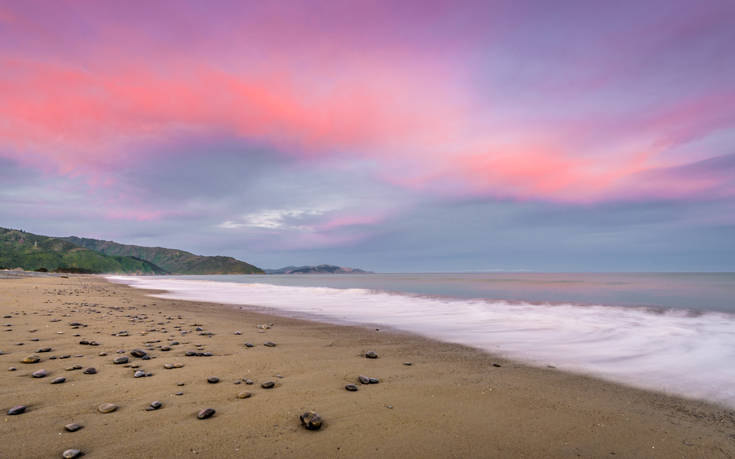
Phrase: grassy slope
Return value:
(32, 252)
(172, 260)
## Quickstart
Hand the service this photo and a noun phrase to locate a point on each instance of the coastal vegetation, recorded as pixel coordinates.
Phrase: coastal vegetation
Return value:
(32, 252)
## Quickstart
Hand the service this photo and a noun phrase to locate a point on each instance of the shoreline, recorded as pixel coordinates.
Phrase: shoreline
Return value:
(674, 352)
(452, 402)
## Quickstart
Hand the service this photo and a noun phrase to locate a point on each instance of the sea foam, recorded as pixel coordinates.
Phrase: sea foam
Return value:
(675, 351)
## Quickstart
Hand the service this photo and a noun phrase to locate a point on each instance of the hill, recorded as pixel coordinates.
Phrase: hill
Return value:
(33, 252)
(171, 260)
(319, 269)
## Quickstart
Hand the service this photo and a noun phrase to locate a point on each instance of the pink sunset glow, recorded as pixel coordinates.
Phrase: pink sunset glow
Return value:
(342, 118)
(90, 109)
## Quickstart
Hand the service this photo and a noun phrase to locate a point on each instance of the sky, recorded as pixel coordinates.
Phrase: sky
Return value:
(391, 136)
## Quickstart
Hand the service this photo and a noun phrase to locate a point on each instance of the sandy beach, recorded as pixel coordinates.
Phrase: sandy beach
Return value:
(452, 401)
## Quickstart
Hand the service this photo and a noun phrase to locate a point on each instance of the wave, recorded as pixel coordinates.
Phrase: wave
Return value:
(668, 350)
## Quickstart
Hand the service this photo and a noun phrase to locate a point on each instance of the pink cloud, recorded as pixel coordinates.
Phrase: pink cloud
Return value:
(317, 86)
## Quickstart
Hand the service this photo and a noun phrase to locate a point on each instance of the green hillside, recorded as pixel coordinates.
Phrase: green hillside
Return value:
(32, 252)
(172, 260)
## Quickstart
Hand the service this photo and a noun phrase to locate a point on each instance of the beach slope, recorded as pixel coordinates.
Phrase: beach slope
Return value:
(451, 401)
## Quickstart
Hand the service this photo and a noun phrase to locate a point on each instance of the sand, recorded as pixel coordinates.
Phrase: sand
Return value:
(451, 402)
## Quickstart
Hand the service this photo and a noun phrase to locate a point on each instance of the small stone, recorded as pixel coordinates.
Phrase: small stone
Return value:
(20, 409)
(248, 381)
(154, 406)
(311, 420)
(497, 365)
(59, 380)
(107, 408)
(213, 380)
(168, 366)
(244, 394)
(206, 413)
(371, 355)
(90, 371)
(138, 353)
(39, 373)
(180, 384)
(269, 344)
(249, 345)
(102, 354)
(238, 332)
(73, 367)
(179, 393)
(351, 387)
(12, 369)
(44, 349)
(71, 453)
(120, 360)
(268, 385)
(363, 379)
(139, 374)
(374, 380)
(31, 359)
(73, 427)
(165, 348)
(408, 364)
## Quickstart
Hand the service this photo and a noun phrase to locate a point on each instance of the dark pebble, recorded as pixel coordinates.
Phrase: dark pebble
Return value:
(269, 344)
(138, 353)
(213, 380)
(363, 379)
(206, 413)
(154, 406)
(351, 387)
(58, 380)
(120, 360)
(311, 420)
(73, 427)
(371, 355)
(249, 345)
(90, 371)
(374, 380)
(497, 365)
(20, 409)
(268, 385)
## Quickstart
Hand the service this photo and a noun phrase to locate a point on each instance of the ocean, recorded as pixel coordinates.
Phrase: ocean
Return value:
(670, 332)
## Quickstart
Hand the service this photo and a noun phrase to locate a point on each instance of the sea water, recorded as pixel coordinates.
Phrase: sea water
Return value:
(669, 332)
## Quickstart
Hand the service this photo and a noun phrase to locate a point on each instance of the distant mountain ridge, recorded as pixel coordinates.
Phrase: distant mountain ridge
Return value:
(319, 269)
(173, 261)
(32, 252)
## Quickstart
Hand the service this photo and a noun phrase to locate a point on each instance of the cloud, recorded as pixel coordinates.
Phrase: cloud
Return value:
(492, 133)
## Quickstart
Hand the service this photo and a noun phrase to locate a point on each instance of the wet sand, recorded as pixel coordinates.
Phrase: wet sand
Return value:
(451, 402)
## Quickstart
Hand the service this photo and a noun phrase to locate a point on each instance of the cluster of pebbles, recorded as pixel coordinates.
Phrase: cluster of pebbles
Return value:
(134, 358)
